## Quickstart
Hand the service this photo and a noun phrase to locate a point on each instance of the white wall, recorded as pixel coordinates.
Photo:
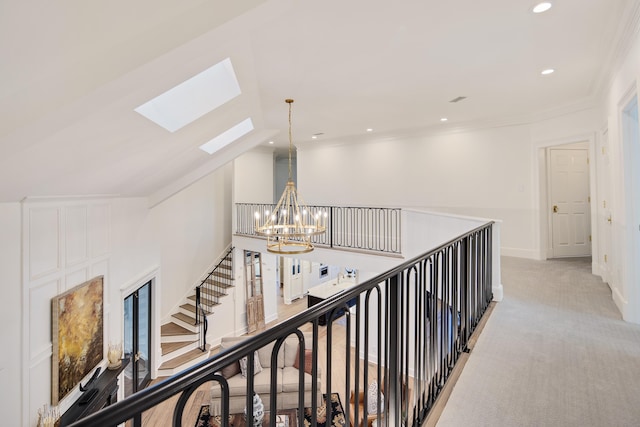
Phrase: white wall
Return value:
(64, 243)
(624, 277)
(192, 229)
(253, 182)
(11, 360)
(51, 245)
(253, 177)
(487, 173)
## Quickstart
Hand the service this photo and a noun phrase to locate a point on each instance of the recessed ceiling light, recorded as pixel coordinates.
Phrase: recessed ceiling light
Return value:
(369, 130)
(547, 71)
(228, 136)
(542, 7)
(444, 119)
(314, 136)
(271, 142)
(458, 99)
(193, 98)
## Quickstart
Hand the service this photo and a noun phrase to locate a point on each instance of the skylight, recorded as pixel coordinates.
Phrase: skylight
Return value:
(542, 7)
(228, 136)
(193, 98)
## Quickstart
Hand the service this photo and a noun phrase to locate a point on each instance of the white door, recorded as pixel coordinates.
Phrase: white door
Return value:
(571, 215)
(604, 208)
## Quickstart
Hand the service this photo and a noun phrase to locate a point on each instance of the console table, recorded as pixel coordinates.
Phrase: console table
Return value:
(321, 292)
(107, 394)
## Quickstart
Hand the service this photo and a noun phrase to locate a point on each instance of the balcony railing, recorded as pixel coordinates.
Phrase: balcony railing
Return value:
(370, 229)
(405, 328)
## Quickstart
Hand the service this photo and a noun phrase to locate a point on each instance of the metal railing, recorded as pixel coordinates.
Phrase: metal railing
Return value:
(208, 294)
(411, 323)
(371, 229)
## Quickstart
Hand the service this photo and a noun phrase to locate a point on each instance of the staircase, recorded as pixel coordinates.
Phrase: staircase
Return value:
(180, 338)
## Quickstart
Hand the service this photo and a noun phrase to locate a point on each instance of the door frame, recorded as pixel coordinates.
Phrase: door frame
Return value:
(542, 216)
(135, 331)
(152, 276)
(625, 222)
(604, 204)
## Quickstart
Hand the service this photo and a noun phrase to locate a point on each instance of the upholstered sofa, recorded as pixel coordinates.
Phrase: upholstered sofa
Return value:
(288, 376)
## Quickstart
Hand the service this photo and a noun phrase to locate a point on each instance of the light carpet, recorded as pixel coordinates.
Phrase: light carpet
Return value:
(555, 352)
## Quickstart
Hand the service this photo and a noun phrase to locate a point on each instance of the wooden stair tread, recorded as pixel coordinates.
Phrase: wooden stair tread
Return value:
(173, 329)
(214, 282)
(189, 307)
(217, 273)
(209, 291)
(182, 359)
(204, 301)
(168, 347)
(185, 318)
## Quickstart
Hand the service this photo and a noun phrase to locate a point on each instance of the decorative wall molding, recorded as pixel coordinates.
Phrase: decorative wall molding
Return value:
(40, 356)
(64, 242)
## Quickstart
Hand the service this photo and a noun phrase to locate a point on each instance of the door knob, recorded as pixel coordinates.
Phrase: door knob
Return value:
(136, 357)
(609, 219)
(555, 208)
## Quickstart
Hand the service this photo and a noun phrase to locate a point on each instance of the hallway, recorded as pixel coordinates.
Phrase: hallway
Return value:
(555, 352)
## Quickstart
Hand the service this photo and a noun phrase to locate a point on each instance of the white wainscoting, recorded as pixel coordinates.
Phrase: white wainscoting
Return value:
(64, 243)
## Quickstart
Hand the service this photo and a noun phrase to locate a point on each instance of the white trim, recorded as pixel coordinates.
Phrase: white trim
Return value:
(41, 356)
(520, 253)
(627, 228)
(68, 199)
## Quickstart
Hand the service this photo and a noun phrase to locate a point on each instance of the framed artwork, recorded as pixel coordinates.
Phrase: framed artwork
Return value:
(77, 336)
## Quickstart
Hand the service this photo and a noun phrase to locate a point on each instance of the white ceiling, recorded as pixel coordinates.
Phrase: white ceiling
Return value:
(73, 72)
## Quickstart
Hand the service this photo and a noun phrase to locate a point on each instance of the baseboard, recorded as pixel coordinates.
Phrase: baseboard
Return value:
(519, 253)
(619, 300)
(271, 318)
(498, 292)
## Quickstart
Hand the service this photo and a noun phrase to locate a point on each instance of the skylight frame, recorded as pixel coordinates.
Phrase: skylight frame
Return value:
(193, 98)
(227, 137)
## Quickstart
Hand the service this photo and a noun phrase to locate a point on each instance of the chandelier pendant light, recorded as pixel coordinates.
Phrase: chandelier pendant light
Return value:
(291, 224)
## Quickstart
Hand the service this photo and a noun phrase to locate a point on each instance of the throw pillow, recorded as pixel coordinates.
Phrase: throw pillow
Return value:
(231, 370)
(257, 367)
(372, 399)
(308, 360)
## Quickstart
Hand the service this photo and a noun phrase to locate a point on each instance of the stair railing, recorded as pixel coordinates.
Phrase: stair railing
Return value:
(208, 293)
(411, 324)
(204, 323)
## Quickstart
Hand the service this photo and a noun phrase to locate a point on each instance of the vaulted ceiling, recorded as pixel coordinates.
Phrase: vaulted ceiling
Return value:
(73, 72)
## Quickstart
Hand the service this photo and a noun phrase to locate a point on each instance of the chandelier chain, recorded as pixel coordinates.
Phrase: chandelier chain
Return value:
(290, 101)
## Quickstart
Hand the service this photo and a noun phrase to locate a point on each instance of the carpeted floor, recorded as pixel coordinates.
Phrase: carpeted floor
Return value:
(337, 415)
(555, 352)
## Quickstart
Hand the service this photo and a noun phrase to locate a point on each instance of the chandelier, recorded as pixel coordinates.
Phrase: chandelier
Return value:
(289, 227)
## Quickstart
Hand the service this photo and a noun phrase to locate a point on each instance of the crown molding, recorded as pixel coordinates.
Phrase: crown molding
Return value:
(583, 104)
(623, 41)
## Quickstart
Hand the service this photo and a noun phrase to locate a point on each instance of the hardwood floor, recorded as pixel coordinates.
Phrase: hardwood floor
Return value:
(162, 414)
